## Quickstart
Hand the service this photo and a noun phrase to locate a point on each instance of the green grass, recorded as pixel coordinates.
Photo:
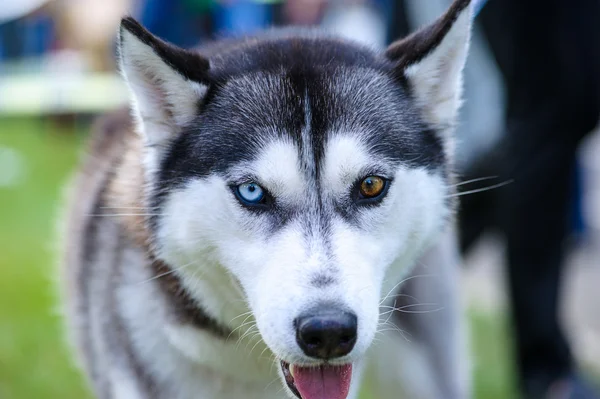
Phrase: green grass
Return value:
(34, 361)
(492, 358)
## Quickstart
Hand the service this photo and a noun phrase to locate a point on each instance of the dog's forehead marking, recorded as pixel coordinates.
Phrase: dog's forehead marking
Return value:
(306, 137)
(277, 167)
(284, 122)
(345, 157)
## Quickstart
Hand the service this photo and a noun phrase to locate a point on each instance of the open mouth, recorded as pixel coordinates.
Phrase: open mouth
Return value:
(320, 382)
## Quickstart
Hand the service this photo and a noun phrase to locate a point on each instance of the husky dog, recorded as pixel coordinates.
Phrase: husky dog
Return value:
(263, 214)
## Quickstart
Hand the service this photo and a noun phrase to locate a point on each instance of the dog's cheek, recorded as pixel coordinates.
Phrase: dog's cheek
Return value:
(193, 217)
(202, 221)
(414, 214)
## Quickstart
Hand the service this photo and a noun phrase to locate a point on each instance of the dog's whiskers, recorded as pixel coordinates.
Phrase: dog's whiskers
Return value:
(392, 327)
(272, 382)
(401, 295)
(250, 339)
(404, 281)
(480, 190)
(244, 323)
(395, 329)
(387, 320)
(263, 352)
(167, 273)
(252, 350)
(402, 308)
(130, 207)
(124, 214)
(241, 315)
(249, 333)
(462, 183)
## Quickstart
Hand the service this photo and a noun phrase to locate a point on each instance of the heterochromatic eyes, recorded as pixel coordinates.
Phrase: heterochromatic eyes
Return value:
(372, 188)
(367, 191)
(250, 193)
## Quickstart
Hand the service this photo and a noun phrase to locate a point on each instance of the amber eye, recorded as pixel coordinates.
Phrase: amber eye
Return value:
(372, 187)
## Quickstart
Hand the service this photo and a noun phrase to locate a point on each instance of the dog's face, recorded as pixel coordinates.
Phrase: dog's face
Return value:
(311, 169)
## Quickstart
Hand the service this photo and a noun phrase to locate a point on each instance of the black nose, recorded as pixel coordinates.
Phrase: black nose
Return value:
(326, 333)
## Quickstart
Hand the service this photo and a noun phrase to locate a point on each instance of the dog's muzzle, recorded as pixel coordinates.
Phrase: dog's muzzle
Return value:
(326, 333)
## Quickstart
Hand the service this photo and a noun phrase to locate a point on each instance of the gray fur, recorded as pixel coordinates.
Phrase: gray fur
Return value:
(164, 259)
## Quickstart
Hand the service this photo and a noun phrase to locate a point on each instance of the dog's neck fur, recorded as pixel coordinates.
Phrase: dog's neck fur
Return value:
(126, 194)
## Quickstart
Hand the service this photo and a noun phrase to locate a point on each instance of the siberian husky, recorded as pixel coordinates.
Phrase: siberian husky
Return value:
(269, 216)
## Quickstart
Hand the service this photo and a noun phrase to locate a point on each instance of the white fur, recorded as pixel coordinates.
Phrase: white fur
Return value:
(123, 385)
(437, 79)
(206, 223)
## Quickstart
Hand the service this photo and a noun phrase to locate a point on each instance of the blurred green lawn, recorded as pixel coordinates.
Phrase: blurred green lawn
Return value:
(34, 361)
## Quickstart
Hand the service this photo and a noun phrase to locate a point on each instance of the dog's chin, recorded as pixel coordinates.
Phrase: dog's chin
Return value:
(323, 381)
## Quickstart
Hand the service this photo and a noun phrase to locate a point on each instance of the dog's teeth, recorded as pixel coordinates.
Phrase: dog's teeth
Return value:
(292, 370)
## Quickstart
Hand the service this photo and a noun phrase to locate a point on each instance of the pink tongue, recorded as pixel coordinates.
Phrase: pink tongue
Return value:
(325, 382)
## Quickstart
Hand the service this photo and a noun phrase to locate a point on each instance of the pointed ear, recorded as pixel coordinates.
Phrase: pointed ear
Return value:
(432, 60)
(166, 83)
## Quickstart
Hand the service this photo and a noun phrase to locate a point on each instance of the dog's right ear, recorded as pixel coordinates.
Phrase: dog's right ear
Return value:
(166, 82)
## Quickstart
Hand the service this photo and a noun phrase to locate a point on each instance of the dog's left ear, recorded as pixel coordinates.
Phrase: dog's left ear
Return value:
(432, 60)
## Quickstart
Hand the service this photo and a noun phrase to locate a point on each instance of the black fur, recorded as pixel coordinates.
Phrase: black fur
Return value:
(183, 306)
(84, 278)
(189, 64)
(322, 280)
(118, 334)
(417, 46)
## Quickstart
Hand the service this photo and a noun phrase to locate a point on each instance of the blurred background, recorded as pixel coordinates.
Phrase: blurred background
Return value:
(57, 73)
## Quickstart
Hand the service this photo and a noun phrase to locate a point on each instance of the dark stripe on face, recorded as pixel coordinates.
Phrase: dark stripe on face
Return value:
(90, 235)
(320, 122)
(84, 280)
(322, 280)
(416, 47)
(182, 306)
(118, 335)
(185, 309)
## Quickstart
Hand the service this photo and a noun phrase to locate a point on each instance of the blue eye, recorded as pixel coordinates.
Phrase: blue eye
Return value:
(251, 193)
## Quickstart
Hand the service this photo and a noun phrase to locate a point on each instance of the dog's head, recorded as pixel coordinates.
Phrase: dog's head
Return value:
(311, 169)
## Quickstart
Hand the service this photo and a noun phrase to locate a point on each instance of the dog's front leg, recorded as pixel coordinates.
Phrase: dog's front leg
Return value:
(421, 352)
